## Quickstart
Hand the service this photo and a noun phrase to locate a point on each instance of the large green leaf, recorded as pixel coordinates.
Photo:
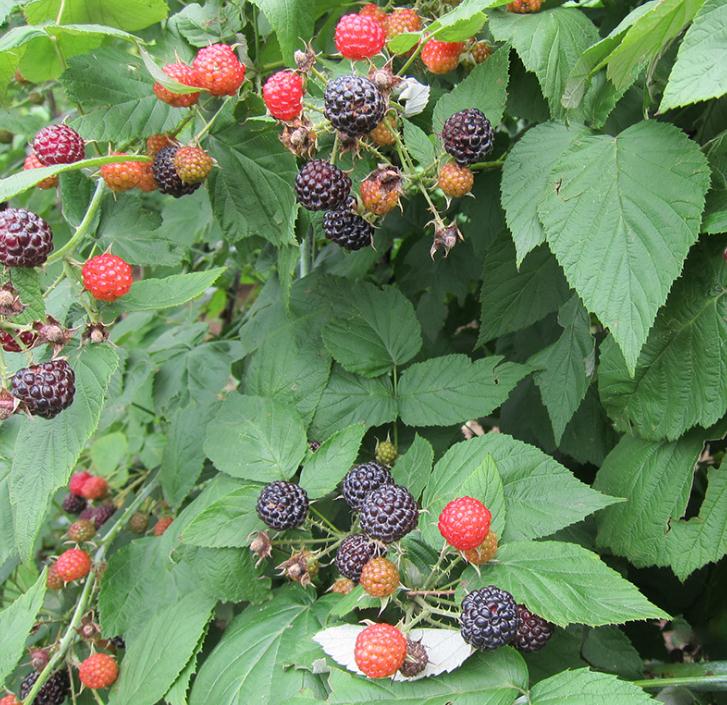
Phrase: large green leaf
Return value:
(620, 215)
(47, 450)
(681, 374)
(564, 583)
(584, 687)
(256, 438)
(124, 14)
(715, 210)
(292, 21)
(413, 468)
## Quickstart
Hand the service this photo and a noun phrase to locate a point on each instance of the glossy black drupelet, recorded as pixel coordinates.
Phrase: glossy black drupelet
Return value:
(346, 228)
(533, 632)
(362, 479)
(46, 389)
(53, 692)
(282, 505)
(321, 186)
(73, 504)
(354, 553)
(26, 239)
(165, 174)
(468, 136)
(389, 513)
(489, 618)
(354, 105)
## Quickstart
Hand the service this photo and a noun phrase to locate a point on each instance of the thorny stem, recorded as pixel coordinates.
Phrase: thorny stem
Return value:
(432, 609)
(653, 683)
(424, 593)
(329, 527)
(431, 578)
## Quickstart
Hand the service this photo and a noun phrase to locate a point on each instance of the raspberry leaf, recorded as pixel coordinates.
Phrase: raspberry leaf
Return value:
(130, 15)
(584, 687)
(413, 469)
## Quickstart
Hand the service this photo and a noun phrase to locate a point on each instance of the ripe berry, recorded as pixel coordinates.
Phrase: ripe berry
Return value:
(441, 57)
(342, 586)
(183, 74)
(359, 37)
(523, 7)
(404, 19)
(10, 700)
(192, 164)
(81, 530)
(384, 133)
(77, 481)
(74, 504)
(464, 523)
(363, 479)
(282, 505)
(156, 142)
(73, 564)
(58, 144)
(346, 228)
(98, 671)
(380, 190)
(380, 650)
(139, 522)
(489, 618)
(321, 185)
(468, 136)
(95, 487)
(483, 553)
(283, 95)
(163, 523)
(218, 69)
(354, 553)
(386, 453)
(26, 239)
(165, 174)
(416, 659)
(53, 581)
(106, 277)
(374, 12)
(147, 182)
(389, 513)
(46, 389)
(32, 162)
(53, 692)
(379, 577)
(533, 632)
(13, 343)
(455, 180)
(99, 515)
(122, 176)
(353, 104)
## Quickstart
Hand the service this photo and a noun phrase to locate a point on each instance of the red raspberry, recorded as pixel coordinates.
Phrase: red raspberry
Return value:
(455, 180)
(464, 523)
(78, 479)
(147, 182)
(380, 650)
(375, 13)
(192, 164)
(122, 176)
(219, 70)
(483, 553)
(98, 671)
(94, 487)
(405, 19)
(359, 37)
(157, 142)
(441, 57)
(107, 277)
(10, 700)
(162, 525)
(72, 564)
(32, 162)
(183, 74)
(380, 577)
(53, 581)
(10, 342)
(283, 95)
(58, 144)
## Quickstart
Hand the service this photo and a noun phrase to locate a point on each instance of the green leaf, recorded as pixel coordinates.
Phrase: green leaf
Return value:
(681, 373)
(564, 583)
(261, 642)
(514, 298)
(26, 281)
(715, 210)
(404, 42)
(609, 649)
(252, 191)
(150, 666)
(7, 526)
(162, 78)
(327, 466)
(227, 522)
(541, 496)
(175, 290)
(349, 399)
(584, 687)
(16, 624)
(460, 23)
(130, 15)
(418, 143)
(413, 468)
(292, 22)
(47, 450)
(380, 332)
(108, 451)
(177, 694)
(485, 88)
(565, 367)
(548, 43)
(256, 438)
(493, 678)
(620, 215)
(208, 24)
(525, 178)
(452, 389)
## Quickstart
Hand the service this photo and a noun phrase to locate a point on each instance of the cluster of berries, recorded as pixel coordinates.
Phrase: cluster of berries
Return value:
(84, 488)
(215, 69)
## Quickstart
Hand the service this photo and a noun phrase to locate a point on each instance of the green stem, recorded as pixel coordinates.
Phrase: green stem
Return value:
(306, 248)
(654, 683)
(84, 226)
(497, 164)
(211, 121)
(411, 59)
(395, 381)
(334, 149)
(330, 527)
(431, 578)
(182, 124)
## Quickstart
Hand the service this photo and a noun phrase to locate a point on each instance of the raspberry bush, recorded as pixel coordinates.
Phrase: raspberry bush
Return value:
(363, 352)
